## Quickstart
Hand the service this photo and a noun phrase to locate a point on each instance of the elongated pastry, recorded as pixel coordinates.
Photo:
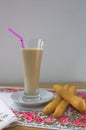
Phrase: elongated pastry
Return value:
(51, 106)
(75, 101)
(63, 104)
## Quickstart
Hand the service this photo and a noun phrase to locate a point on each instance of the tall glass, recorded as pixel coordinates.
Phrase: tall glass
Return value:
(31, 58)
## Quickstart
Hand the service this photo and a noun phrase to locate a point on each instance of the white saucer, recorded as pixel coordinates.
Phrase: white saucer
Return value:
(45, 96)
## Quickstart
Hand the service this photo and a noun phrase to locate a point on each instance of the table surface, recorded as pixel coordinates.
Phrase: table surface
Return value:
(79, 85)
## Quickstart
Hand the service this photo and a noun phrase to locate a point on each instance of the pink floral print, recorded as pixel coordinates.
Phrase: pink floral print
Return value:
(71, 118)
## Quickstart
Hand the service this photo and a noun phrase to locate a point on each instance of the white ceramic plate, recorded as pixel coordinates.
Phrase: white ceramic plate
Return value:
(45, 96)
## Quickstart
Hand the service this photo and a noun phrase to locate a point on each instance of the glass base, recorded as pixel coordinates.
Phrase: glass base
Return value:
(34, 97)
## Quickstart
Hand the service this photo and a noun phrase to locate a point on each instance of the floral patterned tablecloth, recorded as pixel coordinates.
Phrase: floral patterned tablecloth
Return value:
(71, 119)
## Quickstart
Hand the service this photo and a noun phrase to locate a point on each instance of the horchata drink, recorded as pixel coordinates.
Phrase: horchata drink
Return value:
(31, 58)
